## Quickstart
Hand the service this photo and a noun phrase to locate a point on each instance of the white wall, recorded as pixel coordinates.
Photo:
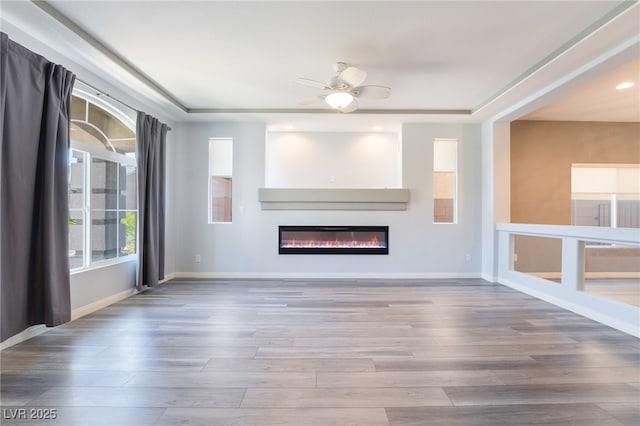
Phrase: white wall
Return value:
(496, 172)
(248, 246)
(333, 160)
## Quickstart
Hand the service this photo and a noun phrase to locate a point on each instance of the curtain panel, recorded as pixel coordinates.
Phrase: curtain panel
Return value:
(35, 101)
(151, 137)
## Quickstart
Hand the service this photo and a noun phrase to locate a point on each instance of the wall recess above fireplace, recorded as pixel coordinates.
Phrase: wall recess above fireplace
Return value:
(333, 240)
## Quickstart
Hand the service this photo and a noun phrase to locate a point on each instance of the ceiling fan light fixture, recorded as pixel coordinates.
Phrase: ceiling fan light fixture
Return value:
(339, 100)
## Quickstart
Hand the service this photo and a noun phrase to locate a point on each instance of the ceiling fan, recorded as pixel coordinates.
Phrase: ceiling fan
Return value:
(344, 87)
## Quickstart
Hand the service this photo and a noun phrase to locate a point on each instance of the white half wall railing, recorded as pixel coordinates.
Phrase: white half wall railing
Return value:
(570, 292)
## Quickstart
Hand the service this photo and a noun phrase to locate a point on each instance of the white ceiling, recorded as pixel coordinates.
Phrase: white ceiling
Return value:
(235, 59)
(598, 100)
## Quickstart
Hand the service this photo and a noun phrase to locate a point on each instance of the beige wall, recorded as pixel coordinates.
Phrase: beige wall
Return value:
(541, 157)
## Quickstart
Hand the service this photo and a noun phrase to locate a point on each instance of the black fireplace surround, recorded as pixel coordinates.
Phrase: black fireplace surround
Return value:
(333, 240)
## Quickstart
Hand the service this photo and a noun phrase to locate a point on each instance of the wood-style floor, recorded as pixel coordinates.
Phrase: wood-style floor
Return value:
(434, 352)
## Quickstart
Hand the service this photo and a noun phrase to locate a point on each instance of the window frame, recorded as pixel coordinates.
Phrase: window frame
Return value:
(90, 153)
(211, 175)
(456, 177)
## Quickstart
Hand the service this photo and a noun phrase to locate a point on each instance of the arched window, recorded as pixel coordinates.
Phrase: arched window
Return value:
(98, 127)
(103, 206)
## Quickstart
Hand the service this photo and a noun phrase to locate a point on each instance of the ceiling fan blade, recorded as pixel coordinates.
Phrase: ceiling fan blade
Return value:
(350, 107)
(311, 100)
(312, 83)
(353, 76)
(372, 92)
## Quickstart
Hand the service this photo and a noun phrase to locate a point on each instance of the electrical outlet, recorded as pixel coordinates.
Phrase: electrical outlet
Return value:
(467, 257)
(197, 258)
(515, 257)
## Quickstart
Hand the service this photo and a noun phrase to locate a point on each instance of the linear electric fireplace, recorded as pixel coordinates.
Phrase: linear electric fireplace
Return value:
(333, 240)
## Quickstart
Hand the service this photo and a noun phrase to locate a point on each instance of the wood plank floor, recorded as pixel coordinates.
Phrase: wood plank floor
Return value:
(431, 352)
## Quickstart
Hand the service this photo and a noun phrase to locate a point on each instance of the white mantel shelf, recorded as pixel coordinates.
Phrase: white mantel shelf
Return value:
(333, 198)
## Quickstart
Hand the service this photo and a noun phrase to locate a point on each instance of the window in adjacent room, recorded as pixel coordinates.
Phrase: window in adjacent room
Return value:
(605, 195)
(445, 170)
(220, 179)
(103, 183)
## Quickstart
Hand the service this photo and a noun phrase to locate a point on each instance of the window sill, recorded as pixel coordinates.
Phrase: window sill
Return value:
(105, 264)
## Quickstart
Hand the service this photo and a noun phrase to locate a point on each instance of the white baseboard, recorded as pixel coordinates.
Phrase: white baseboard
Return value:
(489, 278)
(168, 277)
(115, 298)
(75, 314)
(102, 303)
(26, 334)
(326, 275)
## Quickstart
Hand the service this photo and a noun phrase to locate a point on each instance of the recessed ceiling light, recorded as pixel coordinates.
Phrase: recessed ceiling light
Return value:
(288, 127)
(377, 128)
(625, 85)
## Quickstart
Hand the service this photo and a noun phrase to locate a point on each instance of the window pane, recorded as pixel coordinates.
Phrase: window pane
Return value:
(88, 135)
(220, 199)
(591, 211)
(102, 193)
(445, 167)
(605, 195)
(76, 209)
(104, 234)
(220, 175)
(76, 180)
(78, 108)
(128, 186)
(128, 223)
(221, 156)
(444, 187)
(121, 138)
(109, 124)
(104, 184)
(76, 238)
(611, 272)
(628, 211)
(445, 155)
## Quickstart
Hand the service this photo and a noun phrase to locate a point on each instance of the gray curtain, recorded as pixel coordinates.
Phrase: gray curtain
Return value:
(151, 139)
(35, 100)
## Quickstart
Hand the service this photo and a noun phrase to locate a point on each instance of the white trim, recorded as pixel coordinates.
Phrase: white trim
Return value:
(98, 264)
(488, 277)
(569, 293)
(626, 327)
(618, 55)
(102, 303)
(26, 334)
(104, 154)
(630, 236)
(167, 277)
(325, 275)
(75, 314)
(101, 102)
(589, 275)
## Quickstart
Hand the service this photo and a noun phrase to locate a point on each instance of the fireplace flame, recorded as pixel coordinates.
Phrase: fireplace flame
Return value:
(371, 243)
